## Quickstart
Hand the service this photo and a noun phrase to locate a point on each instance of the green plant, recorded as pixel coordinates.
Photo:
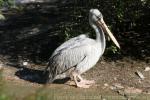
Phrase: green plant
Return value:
(67, 33)
(2, 17)
(4, 97)
(7, 3)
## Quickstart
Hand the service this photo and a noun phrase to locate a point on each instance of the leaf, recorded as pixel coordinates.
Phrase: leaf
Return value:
(2, 17)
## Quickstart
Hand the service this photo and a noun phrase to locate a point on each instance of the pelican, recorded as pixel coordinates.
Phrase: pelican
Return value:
(80, 53)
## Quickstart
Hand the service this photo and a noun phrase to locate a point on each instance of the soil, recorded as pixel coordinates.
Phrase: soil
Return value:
(115, 80)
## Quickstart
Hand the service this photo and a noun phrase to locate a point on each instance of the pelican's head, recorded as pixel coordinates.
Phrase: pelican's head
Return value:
(96, 18)
(95, 15)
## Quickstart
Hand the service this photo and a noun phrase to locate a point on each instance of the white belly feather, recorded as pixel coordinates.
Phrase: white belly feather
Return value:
(94, 53)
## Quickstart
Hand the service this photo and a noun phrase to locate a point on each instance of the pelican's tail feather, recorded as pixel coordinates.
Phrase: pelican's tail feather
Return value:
(49, 74)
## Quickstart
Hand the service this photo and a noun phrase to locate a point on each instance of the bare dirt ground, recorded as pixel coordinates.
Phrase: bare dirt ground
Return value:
(124, 79)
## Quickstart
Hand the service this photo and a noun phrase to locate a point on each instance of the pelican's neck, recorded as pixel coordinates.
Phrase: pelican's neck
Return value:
(99, 33)
(100, 37)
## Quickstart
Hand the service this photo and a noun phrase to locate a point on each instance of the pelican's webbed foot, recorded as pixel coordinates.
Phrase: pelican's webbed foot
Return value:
(82, 83)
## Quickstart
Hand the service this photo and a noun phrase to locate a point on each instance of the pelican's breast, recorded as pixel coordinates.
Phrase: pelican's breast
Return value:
(94, 52)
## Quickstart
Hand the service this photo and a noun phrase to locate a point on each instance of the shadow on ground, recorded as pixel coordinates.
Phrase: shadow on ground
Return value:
(37, 76)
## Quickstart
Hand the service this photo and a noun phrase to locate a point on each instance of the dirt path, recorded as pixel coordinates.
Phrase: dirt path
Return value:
(115, 81)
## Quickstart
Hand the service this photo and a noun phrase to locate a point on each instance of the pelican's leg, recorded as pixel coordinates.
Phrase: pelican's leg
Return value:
(89, 82)
(79, 83)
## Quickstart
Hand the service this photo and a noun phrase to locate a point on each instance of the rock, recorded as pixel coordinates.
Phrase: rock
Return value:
(115, 78)
(140, 74)
(25, 63)
(106, 85)
(133, 90)
(112, 88)
(147, 69)
(118, 86)
(1, 66)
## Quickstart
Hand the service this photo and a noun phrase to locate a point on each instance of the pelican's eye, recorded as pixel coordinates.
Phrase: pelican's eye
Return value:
(98, 17)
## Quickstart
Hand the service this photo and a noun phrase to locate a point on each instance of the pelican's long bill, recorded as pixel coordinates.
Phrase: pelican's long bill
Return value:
(105, 28)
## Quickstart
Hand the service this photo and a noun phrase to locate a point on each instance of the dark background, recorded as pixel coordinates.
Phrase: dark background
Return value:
(32, 31)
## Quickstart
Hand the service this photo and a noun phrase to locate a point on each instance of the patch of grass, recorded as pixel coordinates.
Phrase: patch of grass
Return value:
(4, 97)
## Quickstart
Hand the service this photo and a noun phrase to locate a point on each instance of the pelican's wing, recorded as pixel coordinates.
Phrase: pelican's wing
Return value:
(69, 55)
(70, 43)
